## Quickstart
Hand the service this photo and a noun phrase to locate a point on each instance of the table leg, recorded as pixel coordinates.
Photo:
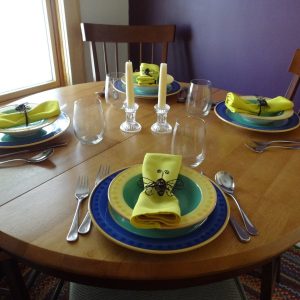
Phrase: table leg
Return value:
(269, 276)
(15, 280)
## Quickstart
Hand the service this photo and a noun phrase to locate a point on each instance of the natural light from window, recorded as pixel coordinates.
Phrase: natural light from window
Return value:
(25, 53)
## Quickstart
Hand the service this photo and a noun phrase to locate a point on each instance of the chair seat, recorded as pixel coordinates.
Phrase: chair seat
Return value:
(230, 289)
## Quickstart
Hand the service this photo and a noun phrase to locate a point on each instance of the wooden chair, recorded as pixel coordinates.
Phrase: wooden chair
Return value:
(151, 35)
(295, 69)
(271, 271)
(10, 269)
(19, 284)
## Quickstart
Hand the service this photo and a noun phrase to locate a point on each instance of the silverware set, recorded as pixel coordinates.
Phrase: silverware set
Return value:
(31, 150)
(260, 146)
(82, 192)
(87, 222)
(32, 160)
(226, 183)
(41, 153)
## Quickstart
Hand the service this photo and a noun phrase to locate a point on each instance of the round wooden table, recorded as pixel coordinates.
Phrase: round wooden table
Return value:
(37, 202)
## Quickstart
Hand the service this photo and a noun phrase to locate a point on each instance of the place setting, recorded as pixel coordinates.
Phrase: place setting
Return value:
(23, 127)
(258, 113)
(29, 124)
(146, 82)
(159, 207)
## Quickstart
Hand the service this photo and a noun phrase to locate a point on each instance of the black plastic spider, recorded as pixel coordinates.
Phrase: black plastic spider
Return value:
(262, 102)
(147, 72)
(160, 185)
(23, 108)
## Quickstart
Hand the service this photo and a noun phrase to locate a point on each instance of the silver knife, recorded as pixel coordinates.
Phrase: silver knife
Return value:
(22, 151)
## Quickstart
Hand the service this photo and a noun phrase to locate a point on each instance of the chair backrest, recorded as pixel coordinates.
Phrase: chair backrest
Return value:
(295, 69)
(130, 34)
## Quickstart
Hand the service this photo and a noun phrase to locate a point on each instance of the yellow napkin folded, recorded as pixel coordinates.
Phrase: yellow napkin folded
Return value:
(148, 71)
(44, 110)
(237, 104)
(151, 209)
(145, 80)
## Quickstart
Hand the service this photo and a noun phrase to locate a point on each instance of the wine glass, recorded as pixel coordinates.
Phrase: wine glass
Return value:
(88, 120)
(112, 95)
(188, 140)
(199, 101)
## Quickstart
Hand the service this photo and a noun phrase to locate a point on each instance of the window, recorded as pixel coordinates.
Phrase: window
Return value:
(30, 56)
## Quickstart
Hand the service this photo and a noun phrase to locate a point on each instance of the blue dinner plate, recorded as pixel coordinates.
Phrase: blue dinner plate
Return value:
(45, 134)
(208, 231)
(234, 119)
(173, 88)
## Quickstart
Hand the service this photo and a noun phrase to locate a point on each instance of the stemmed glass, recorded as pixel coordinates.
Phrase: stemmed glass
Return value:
(188, 140)
(112, 95)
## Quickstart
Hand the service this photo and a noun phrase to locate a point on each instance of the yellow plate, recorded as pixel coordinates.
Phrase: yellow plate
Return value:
(196, 208)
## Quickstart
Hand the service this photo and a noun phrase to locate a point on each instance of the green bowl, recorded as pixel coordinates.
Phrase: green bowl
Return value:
(188, 201)
(197, 198)
(190, 197)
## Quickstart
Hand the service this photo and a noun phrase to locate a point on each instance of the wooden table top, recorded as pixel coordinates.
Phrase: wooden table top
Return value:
(37, 201)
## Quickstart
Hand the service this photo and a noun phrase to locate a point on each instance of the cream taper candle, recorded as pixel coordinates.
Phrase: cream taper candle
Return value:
(162, 87)
(129, 84)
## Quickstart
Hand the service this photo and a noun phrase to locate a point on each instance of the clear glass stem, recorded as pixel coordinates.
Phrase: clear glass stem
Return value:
(161, 126)
(130, 124)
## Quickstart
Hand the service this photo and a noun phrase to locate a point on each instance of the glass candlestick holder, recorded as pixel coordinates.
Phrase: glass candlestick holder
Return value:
(161, 126)
(130, 124)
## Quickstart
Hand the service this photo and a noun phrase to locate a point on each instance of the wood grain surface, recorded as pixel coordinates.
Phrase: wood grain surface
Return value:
(37, 201)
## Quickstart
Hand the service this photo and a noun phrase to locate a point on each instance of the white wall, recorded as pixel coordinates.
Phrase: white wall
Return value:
(104, 12)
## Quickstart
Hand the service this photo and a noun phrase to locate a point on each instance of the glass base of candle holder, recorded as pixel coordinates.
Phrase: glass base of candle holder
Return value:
(161, 126)
(130, 125)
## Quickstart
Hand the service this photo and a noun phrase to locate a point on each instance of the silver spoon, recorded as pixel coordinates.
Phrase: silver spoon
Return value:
(34, 159)
(226, 183)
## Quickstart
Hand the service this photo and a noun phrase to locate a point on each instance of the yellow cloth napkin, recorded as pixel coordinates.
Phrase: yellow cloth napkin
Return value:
(145, 80)
(237, 104)
(151, 209)
(43, 110)
(146, 71)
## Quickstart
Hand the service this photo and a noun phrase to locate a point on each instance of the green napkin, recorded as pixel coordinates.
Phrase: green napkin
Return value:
(151, 209)
(237, 104)
(43, 110)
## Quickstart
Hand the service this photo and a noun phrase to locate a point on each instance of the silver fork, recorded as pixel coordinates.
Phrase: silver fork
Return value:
(87, 222)
(267, 143)
(262, 148)
(81, 192)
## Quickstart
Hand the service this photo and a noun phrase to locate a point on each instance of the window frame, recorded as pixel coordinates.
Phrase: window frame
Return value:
(58, 63)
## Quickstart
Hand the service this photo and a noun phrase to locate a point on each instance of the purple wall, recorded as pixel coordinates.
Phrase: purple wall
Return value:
(242, 46)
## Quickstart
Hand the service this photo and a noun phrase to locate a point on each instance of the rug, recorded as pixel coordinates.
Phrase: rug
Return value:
(287, 289)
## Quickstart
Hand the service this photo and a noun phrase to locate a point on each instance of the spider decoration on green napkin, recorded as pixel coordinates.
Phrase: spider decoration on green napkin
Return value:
(23, 108)
(160, 185)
